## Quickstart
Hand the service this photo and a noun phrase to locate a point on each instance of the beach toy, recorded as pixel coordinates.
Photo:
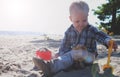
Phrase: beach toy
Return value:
(107, 68)
(107, 65)
(44, 54)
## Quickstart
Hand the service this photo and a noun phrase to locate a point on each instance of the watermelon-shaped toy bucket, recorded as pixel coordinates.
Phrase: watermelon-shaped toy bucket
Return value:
(44, 54)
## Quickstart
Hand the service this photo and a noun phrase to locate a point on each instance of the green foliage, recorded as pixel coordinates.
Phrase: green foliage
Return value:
(109, 15)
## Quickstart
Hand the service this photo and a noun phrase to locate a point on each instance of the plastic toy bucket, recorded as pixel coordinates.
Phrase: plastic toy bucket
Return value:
(44, 54)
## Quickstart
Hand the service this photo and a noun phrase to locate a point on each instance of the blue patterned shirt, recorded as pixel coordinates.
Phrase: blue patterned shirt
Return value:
(88, 38)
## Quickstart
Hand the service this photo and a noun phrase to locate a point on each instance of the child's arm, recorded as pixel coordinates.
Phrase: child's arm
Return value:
(102, 37)
(65, 45)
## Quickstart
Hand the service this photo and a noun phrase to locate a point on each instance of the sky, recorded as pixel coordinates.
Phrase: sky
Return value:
(45, 16)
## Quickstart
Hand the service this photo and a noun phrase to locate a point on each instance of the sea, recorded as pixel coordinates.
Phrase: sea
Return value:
(20, 33)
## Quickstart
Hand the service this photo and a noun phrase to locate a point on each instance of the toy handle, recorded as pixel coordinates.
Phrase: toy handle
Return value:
(110, 51)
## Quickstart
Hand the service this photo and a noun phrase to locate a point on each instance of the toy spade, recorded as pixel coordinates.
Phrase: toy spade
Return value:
(107, 65)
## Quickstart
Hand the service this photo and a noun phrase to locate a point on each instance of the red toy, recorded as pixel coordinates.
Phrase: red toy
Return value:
(44, 54)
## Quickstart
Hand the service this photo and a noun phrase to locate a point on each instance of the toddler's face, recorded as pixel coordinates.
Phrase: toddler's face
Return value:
(79, 20)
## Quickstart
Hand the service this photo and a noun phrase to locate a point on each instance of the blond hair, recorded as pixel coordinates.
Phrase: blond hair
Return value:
(79, 5)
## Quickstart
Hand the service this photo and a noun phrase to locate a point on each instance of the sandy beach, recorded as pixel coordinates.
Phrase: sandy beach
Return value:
(16, 54)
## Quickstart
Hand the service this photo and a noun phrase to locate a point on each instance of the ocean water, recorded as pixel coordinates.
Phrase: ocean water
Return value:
(20, 33)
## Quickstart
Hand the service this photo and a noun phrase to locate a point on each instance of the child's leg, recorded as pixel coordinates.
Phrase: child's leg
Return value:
(90, 58)
(79, 55)
(55, 65)
(58, 64)
(62, 62)
(68, 59)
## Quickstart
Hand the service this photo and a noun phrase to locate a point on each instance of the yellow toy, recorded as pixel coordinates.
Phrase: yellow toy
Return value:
(107, 65)
(107, 68)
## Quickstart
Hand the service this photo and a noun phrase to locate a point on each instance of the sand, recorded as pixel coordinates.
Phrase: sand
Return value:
(16, 54)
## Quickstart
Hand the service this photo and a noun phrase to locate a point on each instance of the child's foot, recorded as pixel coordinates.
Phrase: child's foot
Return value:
(45, 67)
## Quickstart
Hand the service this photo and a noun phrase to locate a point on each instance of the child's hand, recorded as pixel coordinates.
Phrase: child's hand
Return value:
(115, 46)
(56, 55)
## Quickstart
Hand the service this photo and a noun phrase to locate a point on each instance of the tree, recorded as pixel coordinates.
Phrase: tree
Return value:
(109, 15)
